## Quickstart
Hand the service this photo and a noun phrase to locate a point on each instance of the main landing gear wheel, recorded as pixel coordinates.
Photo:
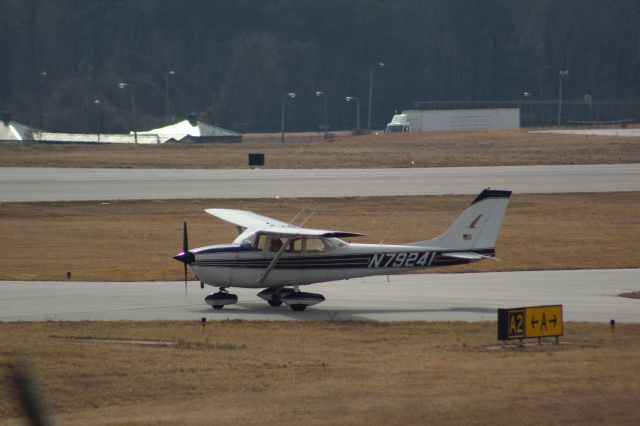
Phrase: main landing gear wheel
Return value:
(220, 299)
(299, 300)
(274, 295)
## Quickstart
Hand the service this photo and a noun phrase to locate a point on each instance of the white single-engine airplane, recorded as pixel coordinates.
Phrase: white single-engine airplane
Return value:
(280, 257)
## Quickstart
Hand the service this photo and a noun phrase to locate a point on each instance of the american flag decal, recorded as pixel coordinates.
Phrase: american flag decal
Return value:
(467, 237)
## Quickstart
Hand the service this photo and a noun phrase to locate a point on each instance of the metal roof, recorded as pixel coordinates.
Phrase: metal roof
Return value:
(185, 128)
(14, 131)
(178, 131)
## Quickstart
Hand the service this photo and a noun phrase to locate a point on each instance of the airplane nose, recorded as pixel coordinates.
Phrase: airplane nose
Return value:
(187, 258)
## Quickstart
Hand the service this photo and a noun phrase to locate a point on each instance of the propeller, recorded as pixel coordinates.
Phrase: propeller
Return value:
(186, 257)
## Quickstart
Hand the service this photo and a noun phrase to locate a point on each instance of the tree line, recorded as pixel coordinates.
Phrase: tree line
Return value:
(232, 61)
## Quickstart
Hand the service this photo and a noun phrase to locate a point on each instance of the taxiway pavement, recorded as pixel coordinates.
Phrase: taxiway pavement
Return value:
(24, 184)
(587, 295)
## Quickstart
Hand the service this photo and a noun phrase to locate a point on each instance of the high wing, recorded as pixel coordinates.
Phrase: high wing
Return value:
(247, 219)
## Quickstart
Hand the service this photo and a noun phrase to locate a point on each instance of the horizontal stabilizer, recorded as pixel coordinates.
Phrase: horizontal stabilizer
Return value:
(466, 256)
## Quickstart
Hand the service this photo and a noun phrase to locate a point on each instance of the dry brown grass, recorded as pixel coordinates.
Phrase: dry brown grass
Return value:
(134, 240)
(424, 149)
(263, 373)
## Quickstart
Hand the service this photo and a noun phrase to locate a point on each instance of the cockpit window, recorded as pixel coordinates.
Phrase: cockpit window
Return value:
(276, 244)
(315, 244)
(295, 246)
(251, 240)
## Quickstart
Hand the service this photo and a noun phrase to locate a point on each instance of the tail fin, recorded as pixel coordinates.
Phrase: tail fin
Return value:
(477, 227)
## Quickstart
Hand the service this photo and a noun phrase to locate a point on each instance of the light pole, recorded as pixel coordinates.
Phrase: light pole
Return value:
(353, 98)
(283, 99)
(41, 79)
(527, 97)
(167, 79)
(371, 69)
(563, 74)
(99, 121)
(325, 126)
(125, 86)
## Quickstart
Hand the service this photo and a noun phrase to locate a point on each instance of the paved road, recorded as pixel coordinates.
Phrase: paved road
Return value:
(68, 184)
(630, 133)
(586, 296)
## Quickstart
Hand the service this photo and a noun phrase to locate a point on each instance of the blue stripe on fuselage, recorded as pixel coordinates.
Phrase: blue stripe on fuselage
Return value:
(222, 248)
(363, 260)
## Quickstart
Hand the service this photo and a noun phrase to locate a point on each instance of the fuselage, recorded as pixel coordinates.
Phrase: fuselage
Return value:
(236, 265)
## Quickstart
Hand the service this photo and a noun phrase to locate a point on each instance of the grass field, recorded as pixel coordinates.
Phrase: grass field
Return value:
(134, 240)
(318, 373)
(419, 149)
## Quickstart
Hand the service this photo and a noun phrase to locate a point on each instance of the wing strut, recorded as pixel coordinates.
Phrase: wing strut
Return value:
(274, 261)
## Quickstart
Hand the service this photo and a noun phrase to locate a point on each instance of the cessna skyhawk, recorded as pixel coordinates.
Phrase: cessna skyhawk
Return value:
(280, 257)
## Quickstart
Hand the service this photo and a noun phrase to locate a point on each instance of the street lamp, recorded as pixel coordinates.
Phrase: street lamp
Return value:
(125, 86)
(563, 74)
(99, 121)
(41, 78)
(527, 98)
(167, 79)
(290, 95)
(371, 68)
(352, 98)
(325, 126)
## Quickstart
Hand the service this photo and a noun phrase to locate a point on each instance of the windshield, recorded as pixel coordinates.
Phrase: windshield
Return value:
(248, 239)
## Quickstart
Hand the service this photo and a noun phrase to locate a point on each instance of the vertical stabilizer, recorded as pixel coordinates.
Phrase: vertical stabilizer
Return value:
(477, 227)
